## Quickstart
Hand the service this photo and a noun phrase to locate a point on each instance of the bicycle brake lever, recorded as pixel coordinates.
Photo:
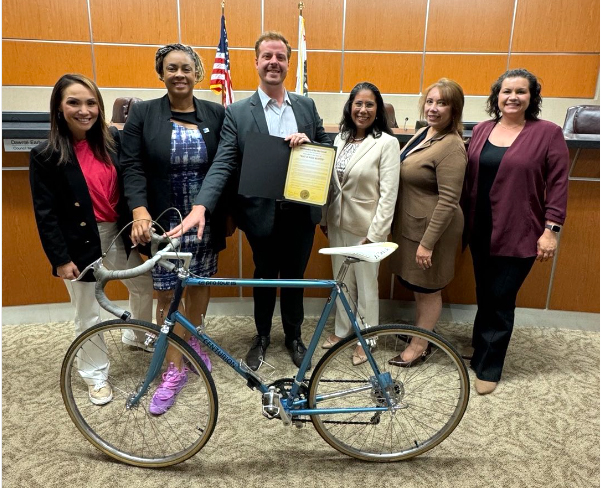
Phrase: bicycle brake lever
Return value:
(87, 268)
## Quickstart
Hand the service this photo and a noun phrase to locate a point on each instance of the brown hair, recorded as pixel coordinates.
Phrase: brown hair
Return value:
(452, 93)
(60, 138)
(272, 36)
(533, 110)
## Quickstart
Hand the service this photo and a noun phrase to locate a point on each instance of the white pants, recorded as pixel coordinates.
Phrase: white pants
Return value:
(361, 280)
(92, 362)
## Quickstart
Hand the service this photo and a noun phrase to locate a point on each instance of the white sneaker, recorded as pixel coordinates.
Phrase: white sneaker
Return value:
(129, 337)
(100, 393)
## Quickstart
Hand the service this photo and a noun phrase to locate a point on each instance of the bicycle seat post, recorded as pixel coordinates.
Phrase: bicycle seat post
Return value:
(344, 268)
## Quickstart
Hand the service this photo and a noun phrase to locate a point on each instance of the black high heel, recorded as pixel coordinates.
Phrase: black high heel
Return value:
(398, 360)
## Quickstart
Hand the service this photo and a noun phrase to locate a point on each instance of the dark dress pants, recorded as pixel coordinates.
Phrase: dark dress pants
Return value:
(498, 280)
(284, 254)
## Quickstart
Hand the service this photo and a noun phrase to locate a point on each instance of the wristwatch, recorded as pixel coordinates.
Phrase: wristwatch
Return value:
(553, 227)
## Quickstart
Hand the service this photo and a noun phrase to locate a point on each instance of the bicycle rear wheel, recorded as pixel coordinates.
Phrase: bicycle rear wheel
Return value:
(130, 433)
(429, 397)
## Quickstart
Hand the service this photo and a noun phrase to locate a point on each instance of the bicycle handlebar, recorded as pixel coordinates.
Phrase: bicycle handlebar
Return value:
(103, 275)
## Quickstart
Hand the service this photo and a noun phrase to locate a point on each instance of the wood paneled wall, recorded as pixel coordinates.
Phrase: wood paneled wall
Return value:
(402, 49)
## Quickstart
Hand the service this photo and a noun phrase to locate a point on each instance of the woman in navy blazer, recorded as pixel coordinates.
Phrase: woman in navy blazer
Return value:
(75, 185)
(514, 200)
(168, 146)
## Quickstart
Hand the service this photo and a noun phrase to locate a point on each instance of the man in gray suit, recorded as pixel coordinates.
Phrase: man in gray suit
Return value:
(280, 233)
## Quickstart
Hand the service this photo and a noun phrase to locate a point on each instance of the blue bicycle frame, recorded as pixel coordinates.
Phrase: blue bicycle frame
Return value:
(292, 404)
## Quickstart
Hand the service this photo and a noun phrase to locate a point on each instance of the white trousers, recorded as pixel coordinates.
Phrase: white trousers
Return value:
(361, 280)
(92, 361)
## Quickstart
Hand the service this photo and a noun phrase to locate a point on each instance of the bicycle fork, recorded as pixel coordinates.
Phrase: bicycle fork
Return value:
(160, 350)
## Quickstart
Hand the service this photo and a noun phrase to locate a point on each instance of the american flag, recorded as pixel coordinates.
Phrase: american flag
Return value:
(221, 78)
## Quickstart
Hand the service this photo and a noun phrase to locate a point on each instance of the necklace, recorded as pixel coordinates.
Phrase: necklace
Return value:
(353, 139)
(512, 127)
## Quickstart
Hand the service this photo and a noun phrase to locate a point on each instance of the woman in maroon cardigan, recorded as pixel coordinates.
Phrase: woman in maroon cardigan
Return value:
(514, 201)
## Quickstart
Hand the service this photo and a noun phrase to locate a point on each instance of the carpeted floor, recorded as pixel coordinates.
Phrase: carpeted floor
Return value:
(539, 429)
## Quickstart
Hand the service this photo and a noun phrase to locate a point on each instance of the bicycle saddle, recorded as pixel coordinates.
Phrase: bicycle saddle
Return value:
(372, 253)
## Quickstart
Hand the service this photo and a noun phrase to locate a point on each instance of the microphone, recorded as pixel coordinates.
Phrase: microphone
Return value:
(405, 124)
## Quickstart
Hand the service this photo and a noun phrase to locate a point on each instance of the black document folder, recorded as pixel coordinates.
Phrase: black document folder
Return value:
(264, 166)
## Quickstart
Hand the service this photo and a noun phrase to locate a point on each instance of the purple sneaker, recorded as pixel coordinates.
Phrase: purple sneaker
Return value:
(193, 342)
(164, 397)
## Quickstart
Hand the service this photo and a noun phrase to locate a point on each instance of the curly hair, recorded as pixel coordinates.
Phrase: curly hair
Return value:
(452, 93)
(536, 102)
(159, 58)
(348, 128)
(60, 137)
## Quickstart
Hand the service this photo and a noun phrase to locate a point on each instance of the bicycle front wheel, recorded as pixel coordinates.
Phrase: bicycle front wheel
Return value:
(428, 398)
(126, 430)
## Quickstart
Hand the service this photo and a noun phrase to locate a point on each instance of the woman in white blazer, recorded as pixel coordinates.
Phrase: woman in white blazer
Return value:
(362, 198)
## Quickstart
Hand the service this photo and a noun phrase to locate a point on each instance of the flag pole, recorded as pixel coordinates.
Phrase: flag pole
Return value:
(301, 71)
(223, 7)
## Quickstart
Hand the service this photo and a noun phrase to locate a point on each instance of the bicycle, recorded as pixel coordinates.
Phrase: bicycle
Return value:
(376, 411)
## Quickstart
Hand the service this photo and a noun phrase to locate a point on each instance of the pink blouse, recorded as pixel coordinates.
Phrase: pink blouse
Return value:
(101, 179)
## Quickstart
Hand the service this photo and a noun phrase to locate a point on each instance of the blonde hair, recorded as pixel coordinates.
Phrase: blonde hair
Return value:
(452, 93)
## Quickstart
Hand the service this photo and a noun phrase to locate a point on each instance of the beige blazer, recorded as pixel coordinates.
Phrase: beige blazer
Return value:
(364, 203)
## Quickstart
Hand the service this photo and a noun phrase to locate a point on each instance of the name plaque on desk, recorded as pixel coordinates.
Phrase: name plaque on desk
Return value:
(21, 145)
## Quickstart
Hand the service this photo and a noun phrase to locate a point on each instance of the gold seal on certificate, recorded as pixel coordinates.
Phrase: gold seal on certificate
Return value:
(309, 173)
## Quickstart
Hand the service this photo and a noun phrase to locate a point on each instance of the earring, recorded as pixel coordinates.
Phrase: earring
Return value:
(60, 115)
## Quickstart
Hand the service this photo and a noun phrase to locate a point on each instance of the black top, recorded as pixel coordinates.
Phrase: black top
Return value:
(187, 117)
(490, 160)
(417, 141)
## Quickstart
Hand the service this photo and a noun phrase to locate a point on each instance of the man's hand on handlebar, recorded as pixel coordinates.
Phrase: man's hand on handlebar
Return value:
(195, 218)
(67, 271)
(140, 230)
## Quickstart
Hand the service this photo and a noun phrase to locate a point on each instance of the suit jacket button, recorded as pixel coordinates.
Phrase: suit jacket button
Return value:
(82, 224)
(76, 204)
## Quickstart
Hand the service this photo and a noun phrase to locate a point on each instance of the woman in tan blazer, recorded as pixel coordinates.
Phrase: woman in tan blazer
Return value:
(428, 221)
(362, 196)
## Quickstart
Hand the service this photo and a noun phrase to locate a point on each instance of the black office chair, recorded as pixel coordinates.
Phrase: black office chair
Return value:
(582, 123)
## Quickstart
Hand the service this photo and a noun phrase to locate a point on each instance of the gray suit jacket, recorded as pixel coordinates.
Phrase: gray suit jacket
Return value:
(254, 215)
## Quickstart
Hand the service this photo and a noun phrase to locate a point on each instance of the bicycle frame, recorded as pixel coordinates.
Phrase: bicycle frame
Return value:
(292, 404)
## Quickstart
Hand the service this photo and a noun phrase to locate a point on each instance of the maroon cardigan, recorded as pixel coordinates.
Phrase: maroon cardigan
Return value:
(531, 187)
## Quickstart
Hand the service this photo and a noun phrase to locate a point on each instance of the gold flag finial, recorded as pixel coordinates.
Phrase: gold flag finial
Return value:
(301, 6)
(222, 7)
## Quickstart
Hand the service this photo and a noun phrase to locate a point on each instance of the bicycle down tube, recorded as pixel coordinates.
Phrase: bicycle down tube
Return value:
(291, 403)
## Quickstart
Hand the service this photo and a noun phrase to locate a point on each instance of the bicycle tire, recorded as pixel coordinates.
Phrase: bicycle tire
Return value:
(132, 434)
(431, 396)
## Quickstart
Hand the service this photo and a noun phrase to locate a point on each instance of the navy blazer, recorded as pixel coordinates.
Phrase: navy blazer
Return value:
(63, 209)
(254, 215)
(146, 156)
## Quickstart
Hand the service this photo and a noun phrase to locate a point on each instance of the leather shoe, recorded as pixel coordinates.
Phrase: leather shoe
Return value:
(331, 341)
(297, 351)
(256, 353)
(484, 387)
(401, 363)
